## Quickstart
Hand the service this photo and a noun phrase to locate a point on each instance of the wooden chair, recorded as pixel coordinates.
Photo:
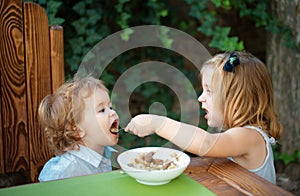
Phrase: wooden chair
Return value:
(31, 66)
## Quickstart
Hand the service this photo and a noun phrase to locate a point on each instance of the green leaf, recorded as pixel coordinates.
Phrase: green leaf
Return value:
(77, 44)
(55, 21)
(80, 25)
(125, 35)
(164, 13)
(53, 6)
(80, 8)
(94, 16)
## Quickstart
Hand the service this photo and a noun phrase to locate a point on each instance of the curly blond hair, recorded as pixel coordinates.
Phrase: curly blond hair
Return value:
(245, 95)
(59, 112)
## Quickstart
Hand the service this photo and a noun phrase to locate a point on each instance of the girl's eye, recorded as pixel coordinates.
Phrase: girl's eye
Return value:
(111, 107)
(102, 110)
(208, 91)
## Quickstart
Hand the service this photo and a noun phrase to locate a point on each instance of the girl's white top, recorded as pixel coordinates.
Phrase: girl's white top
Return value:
(267, 169)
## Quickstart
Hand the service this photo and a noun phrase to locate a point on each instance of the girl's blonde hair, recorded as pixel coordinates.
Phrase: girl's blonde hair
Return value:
(245, 95)
(59, 112)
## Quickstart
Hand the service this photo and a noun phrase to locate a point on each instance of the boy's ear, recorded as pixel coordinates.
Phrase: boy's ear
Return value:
(81, 132)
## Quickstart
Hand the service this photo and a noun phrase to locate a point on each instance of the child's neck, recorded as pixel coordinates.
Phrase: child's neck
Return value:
(96, 147)
(99, 149)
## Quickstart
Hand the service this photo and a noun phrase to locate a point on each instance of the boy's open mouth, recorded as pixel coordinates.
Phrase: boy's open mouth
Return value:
(114, 127)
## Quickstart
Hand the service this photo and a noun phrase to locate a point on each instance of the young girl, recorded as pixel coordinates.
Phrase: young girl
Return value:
(79, 124)
(237, 98)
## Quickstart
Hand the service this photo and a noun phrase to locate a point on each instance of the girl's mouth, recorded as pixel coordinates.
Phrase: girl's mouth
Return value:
(114, 127)
(206, 113)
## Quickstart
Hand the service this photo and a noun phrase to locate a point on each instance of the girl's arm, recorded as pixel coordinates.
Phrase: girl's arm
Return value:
(187, 137)
(233, 142)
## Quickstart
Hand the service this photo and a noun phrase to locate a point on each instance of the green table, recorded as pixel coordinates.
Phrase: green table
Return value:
(110, 183)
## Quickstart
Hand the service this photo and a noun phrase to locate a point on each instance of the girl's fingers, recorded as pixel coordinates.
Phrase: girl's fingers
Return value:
(130, 128)
(138, 126)
(127, 129)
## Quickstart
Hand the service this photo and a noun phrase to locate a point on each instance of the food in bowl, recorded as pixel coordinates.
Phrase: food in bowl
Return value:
(148, 162)
(133, 162)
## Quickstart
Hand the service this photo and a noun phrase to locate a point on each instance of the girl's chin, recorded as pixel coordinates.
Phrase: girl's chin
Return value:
(215, 126)
(212, 124)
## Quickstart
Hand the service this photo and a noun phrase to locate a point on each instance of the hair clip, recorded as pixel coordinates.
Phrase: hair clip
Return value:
(231, 62)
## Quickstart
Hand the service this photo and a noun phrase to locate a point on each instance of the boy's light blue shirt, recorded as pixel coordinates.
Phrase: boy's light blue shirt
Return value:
(76, 163)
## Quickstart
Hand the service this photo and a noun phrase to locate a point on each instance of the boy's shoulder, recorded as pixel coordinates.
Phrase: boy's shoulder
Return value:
(55, 167)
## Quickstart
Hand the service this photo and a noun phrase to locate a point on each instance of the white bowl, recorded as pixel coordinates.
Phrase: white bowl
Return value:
(154, 177)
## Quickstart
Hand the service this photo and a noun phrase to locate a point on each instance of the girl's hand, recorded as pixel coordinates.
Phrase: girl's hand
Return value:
(145, 124)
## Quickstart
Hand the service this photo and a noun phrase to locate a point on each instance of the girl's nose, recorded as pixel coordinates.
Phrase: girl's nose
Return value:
(201, 98)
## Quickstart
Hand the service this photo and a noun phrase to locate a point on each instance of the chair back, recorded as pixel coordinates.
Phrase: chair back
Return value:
(31, 66)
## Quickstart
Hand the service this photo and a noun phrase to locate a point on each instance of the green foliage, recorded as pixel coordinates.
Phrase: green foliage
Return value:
(220, 35)
(124, 16)
(221, 3)
(262, 18)
(51, 8)
(285, 157)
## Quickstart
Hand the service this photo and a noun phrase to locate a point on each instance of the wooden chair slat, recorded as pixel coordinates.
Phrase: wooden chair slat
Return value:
(38, 77)
(57, 56)
(13, 90)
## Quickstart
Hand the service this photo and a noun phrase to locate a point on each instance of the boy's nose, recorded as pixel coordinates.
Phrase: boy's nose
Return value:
(112, 113)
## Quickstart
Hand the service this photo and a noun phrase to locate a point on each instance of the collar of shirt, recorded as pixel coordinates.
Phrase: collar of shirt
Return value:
(91, 156)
